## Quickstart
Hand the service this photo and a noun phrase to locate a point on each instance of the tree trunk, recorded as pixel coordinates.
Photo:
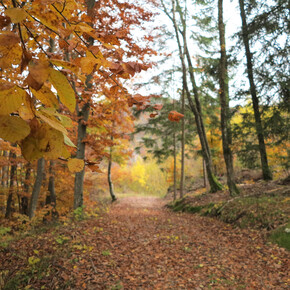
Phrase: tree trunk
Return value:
(24, 198)
(83, 116)
(204, 173)
(13, 167)
(224, 101)
(36, 188)
(195, 108)
(174, 165)
(111, 186)
(259, 127)
(182, 175)
(4, 180)
(51, 197)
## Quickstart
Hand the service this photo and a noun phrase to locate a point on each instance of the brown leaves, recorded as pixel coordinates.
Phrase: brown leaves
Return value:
(8, 38)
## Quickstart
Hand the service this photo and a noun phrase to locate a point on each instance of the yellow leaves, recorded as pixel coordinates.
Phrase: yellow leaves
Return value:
(46, 96)
(75, 165)
(46, 17)
(16, 15)
(88, 63)
(48, 117)
(64, 89)
(33, 260)
(13, 128)
(10, 53)
(69, 66)
(44, 141)
(11, 99)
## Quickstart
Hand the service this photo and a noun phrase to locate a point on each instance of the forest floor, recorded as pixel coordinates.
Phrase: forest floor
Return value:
(140, 244)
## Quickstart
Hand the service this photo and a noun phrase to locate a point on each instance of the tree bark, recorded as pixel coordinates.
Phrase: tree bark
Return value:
(259, 127)
(51, 197)
(36, 188)
(182, 175)
(111, 186)
(4, 182)
(224, 101)
(24, 197)
(13, 167)
(83, 116)
(174, 165)
(195, 107)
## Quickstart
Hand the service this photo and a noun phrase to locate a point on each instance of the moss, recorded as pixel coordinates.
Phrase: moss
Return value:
(193, 209)
(281, 236)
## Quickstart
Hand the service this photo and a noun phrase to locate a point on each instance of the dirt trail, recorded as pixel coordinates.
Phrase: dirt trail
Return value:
(153, 248)
(139, 244)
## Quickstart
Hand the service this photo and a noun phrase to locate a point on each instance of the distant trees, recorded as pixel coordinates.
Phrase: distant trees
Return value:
(264, 38)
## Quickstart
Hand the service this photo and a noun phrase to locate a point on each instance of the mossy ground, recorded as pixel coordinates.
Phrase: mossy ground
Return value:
(261, 210)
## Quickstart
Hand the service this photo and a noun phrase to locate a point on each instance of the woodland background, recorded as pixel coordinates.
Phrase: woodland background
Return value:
(117, 98)
(108, 100)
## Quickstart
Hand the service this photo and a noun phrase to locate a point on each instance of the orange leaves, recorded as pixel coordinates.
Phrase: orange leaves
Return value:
(158, 107)
(175, 116)
(38, 73)
(48, 59)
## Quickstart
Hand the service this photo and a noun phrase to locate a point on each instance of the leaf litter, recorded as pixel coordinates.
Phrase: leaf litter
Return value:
(139, 244)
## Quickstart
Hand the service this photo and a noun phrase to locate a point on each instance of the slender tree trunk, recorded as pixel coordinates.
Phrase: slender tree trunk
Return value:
(36, 188)
(4, 178)
(51, 197)
(224, 101)
(81, 146)
(5, 171)
(174, 165)
(204, 173)
(111, 186)
(182, 175)
(24, 198)
(13, 168)
(259, 127)
(195, 108)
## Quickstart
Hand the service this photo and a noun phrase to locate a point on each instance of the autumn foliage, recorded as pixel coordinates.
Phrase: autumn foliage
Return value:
(56, 58)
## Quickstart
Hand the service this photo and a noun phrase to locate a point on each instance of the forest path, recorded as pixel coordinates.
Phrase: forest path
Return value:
(154, 248)
(139, 244)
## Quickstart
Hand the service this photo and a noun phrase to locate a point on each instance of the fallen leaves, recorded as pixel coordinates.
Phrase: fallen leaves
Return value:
(140, 245)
